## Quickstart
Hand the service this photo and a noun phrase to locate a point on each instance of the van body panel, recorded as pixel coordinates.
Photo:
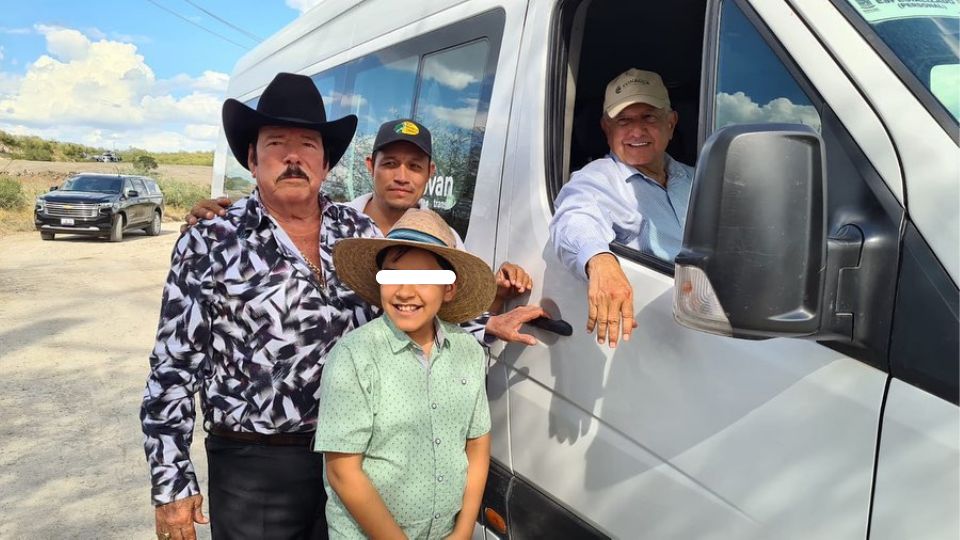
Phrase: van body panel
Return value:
(918, 491)
(928, 155)
(741, 434)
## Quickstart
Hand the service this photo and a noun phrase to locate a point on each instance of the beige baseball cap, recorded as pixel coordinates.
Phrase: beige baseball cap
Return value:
(635, 86)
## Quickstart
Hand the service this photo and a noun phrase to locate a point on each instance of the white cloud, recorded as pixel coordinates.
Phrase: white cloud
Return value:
(447, 76)
(461, 117)
(303, 5)
(1, 53)
(351, 102)
(16, 31)
(740, 108)
(103, 93)
(65, 44)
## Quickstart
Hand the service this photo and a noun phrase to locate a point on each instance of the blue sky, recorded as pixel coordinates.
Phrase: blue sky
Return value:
(127, 73)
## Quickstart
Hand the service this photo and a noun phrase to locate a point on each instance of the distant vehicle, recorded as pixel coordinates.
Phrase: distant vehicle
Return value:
(107, 157)
(100, 205)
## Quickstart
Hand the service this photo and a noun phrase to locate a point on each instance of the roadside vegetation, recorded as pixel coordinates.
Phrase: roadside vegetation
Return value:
(32, 148)
(30, 166)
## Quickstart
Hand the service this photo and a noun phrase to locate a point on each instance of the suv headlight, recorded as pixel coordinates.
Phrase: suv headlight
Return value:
(41, 204)
(110, 205)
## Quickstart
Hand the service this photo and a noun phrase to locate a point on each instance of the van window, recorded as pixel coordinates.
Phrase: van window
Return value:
(443, 79)
(753, 85)
(449, 103)
(237, 180)
(924, 37)
(377, 88)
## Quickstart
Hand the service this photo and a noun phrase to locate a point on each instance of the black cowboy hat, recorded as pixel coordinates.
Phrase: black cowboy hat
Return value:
(289, 100)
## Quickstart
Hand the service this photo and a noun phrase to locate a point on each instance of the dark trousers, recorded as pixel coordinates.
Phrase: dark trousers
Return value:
(265, 492)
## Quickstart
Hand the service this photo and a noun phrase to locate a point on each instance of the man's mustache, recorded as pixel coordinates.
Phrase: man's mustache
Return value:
(293, 171)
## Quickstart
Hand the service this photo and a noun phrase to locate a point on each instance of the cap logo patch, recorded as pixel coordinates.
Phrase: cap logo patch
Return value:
(406, 128)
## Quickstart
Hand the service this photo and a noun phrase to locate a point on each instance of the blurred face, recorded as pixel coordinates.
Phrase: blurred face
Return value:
(638, 136)
(289, 166)
(400, 173)
(413, 307)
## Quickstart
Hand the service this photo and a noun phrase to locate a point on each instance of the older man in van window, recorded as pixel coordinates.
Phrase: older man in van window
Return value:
(637, 196)
(251, 306)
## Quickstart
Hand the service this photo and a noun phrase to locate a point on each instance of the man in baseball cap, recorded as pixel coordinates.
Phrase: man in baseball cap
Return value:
(636, 196)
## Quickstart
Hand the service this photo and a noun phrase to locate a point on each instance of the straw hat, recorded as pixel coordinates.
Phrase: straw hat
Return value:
(355, 260)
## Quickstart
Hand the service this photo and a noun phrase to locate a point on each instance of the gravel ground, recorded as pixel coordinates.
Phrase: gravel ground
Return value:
(77, 322)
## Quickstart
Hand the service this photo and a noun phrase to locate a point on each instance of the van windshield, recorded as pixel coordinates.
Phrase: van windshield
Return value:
(924, 36)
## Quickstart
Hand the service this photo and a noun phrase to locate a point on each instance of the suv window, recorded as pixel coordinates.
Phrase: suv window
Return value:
(139, 186)
(152, 187)
(101, 184)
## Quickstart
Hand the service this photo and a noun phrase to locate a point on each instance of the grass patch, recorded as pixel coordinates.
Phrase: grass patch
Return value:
(182, 194)
(12, 196)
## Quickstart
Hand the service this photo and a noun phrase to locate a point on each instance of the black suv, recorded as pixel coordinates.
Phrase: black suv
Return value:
(100, 205)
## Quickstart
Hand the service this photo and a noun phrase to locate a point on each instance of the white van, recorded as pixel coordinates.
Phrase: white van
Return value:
(822, 244)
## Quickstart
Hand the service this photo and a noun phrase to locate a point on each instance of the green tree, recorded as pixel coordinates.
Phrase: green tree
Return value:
(144, 163)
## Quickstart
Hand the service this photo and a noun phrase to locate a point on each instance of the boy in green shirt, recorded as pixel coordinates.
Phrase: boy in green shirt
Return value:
(403, 415)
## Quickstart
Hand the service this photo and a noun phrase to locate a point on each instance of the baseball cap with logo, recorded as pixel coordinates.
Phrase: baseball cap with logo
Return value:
(635, 86)
(403, 129)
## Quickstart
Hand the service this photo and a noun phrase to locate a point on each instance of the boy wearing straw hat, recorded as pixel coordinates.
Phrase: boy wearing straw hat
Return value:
(403, 416)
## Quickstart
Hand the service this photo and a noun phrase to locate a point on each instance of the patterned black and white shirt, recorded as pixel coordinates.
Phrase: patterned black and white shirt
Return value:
(247, 324)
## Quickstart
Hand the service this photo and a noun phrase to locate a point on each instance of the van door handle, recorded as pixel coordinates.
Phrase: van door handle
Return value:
(557, 326)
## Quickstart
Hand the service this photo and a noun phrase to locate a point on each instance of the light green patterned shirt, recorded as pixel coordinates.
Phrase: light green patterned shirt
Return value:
(409, 418)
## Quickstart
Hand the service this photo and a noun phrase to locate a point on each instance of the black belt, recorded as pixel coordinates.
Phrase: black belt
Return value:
(273, 439)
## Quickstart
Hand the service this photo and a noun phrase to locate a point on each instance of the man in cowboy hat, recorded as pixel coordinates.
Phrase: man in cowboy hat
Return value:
(251, 306)
(387, 479)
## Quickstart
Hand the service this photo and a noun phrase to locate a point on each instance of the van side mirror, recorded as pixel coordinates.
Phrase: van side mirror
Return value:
(132, 193)
(754, 248)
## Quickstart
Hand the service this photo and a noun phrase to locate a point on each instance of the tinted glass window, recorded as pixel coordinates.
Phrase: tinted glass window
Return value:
(924, 36)
(377, 88)
(102, 184)
(443, 79)
(452, 103)
(139, 186)
(237, 180)
(753, 85)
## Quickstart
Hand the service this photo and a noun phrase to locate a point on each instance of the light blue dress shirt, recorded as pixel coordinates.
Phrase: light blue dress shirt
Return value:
(609, 200)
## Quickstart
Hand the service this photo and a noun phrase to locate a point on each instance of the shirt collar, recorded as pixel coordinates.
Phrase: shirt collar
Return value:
(629, 172)
(399, 340)
(255, 212)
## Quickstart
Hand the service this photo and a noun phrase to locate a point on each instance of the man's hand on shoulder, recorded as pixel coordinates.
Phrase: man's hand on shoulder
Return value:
(609, 300)
(175, 520)
(205, 210)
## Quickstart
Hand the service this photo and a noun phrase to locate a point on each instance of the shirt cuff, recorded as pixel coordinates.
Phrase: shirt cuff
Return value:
(588, 252)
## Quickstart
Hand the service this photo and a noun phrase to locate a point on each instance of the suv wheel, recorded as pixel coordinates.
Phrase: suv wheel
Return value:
(47, 235)
(154, 228)
(116, 228)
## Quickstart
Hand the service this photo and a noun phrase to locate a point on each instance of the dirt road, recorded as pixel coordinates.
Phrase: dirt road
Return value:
(77, 323)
